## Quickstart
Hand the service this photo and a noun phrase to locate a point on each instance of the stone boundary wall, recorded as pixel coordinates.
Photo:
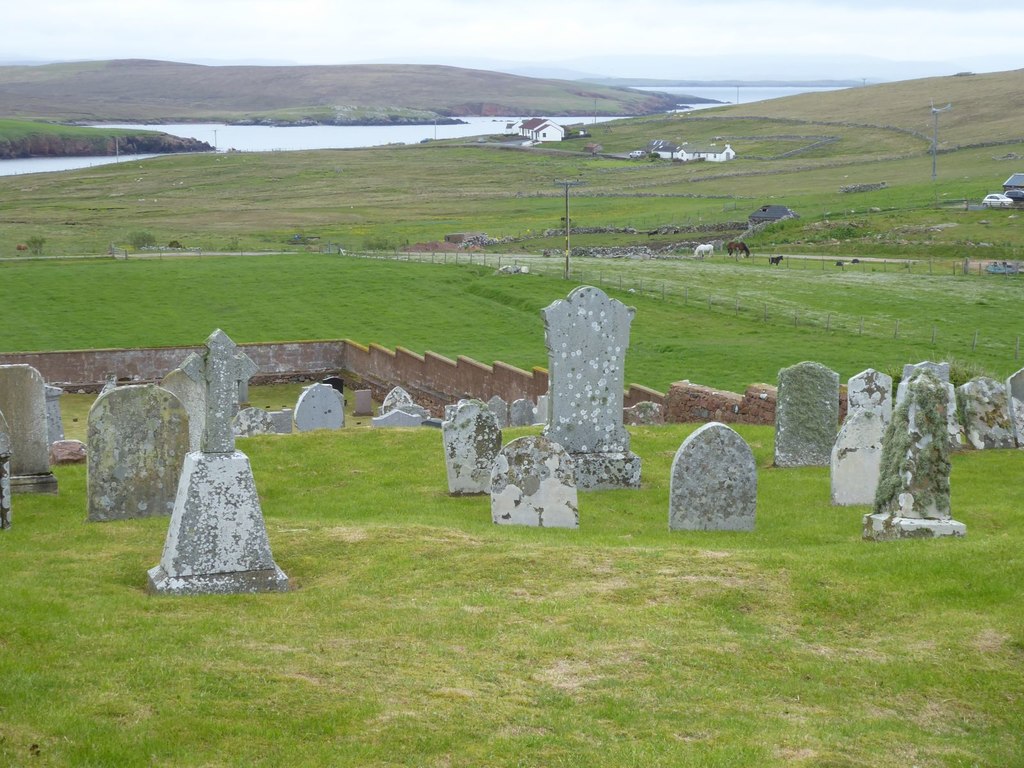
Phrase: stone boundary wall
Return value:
(432, 379)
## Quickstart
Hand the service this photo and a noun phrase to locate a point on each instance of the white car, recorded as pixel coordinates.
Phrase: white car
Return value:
(637, 154)
(997, 200)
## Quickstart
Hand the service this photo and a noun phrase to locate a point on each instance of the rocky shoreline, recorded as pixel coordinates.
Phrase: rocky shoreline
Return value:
(55, 145)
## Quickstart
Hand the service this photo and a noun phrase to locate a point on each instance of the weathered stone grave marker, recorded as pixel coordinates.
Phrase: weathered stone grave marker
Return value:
(471, 440)
(857, 453)
(500, 410)
(1015, 396)
(713, 485)
(252, 421)
(364, 403)
(5, 474)
(986, 410)
(192, 395)
(23, 403)
(520, 413)
(587, 335)
(806, 415)
(217, 540)
(54, 422)
(954, 431)
(320, 406)
(912, 500)
(532, 483)
(137, 438)
(870, 390)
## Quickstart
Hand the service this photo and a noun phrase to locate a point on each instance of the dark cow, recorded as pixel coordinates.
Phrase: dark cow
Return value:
(773, 260)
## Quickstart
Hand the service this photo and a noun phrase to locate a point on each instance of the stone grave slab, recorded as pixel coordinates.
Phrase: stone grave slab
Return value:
(954, 430)
(857, 457)
(320, 406)
(471, 441)
(364, 403)
(5, 474)
(870, 390)
(520, 413)
(397, 418)
(192, 395)
(986, 413)
(500, 410)
(713, 485)
(23, 403)
(137, 438)
(806, 415)
(1015, 398)
(54, 422)
(251, 421)
(587, 335)
(644, 413)
(532, 483)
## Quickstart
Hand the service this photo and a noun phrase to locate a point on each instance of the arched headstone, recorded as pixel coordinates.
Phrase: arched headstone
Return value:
(806, 415)
(713, 485)
(471, 440)
(320, 406)
(23, 403)
(533, 483)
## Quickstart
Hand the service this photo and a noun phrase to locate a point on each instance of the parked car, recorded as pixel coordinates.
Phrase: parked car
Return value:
(1017, 195)
(997, 200)
(1004, 268)
(637, 153)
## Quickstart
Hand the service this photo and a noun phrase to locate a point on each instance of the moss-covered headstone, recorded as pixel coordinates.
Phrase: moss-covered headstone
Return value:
(806, 415)
(986, 413)
(912, 498)
(471, 440)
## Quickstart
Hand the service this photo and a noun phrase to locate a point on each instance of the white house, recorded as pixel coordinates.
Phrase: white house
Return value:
(711, 154)
(541, 129)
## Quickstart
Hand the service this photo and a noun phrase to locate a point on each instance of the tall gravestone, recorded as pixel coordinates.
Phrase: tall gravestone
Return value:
(320, 406)
(857, 453)
(5, 474)
(217, 541)
(1015, 396)
(54, 422)
(471, 440)
(806, 415)
(986, 412)
(912, 499)
(954, 432)
(587, 335)
(532, 483)
(713, 485)
(23, 403)
(137, 438)
(192, 395)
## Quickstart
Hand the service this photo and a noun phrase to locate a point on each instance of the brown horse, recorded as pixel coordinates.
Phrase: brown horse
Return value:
(737, 246)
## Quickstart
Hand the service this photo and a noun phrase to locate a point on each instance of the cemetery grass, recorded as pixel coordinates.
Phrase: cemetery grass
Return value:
(723, 324)
(421, 634)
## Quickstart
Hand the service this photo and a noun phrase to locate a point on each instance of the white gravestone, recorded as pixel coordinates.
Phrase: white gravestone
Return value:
(806, 415)
(986, 412)
(23, 403)
(587, 335)
(857, 457)
(217, 541)
(137, 438)
(471, 440)
(870, 390)
(532, 483)
(912, 500)
(192, 395)
(713, 485)
(320, 406)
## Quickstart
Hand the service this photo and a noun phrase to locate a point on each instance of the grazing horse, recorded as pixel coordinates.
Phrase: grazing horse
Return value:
(737, 246)
(706, 249)
(774, 260)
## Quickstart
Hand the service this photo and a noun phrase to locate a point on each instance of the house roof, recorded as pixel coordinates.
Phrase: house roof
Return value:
(533, 123)
(772, 213)
(660, 145)
(1016, 180)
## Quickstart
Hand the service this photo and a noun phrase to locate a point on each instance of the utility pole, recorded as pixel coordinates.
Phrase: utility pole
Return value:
(935, 132)
(568, 222)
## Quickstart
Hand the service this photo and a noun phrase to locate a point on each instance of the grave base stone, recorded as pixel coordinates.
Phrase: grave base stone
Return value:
(217, 542)
(883, 527)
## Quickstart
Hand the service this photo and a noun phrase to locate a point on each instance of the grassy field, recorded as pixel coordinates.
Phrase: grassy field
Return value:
(420, 634)
(696, 320)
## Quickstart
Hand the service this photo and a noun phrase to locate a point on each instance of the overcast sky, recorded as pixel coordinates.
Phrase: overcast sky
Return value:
(595, 35)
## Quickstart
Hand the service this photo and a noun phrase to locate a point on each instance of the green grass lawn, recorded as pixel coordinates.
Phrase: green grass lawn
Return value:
(421, 634)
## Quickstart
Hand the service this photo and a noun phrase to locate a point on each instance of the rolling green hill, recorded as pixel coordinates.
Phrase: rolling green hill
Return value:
(140, 90)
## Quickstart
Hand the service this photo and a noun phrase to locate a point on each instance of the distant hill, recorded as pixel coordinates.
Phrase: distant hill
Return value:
(142, 90)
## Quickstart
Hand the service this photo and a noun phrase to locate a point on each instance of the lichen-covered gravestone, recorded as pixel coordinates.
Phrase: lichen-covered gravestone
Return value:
(192, 395)
(713, 484)
(587, 335)
(217, 541)
(5, 474)
(520, 413)
(645, 413)
(532, 483)
(471, 440)
(857, 458)
(806, 415)
(986, 412)
(252, 421)
(23, 402)
(500, 410)
(954, 432)
(320, 406)
(1015, 397)
(870, 390)
(137, 438)
(912, 499)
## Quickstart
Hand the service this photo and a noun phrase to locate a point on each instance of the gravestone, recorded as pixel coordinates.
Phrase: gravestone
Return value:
(54, 422)
(5, 474)
(954, 432)
(137, 438)
(471, 440)
(500, 410)
(912, 500)
(251, 421)
(806, 415)
(399, 399)
(857, 457)
(533, 483)
(713, 485)
(364, 403)
(67, 452)
(398, 418)
(320, 406)
(870, 390)
(1015, 396)
(23, 403)
(283, 421)
(217, 541)
(520, 413)
(540, 413)
(986, 413)
(645, 413)
(192, 395)
(587, 335)
(109, 383)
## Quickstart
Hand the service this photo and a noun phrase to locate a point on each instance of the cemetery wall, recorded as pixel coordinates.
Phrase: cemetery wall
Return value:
(688, 403)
